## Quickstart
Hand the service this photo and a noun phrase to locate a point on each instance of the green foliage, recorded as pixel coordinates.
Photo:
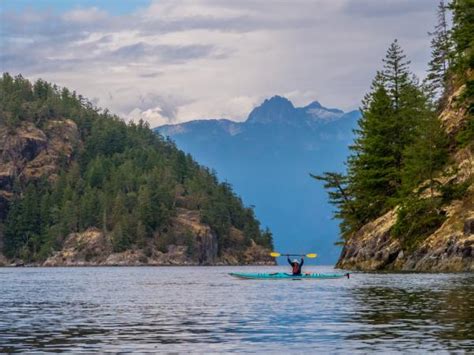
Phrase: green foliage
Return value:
(26, 228)
(463, 28)
(266, 239)
(126, 180)
(388, 126)
(463, 63)
(340, 196)
(441, 54)
(399, 145)
(466, 136)
(373, 175)
(417, 219)
(395, 73)
(454, 191)
(426, 156)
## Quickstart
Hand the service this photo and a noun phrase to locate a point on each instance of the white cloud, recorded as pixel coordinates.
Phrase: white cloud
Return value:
(180, 59)
(154, 116)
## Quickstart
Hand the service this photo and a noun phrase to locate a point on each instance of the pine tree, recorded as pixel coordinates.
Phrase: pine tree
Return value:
(441, 54)
(462, 34)
(395, 72)
(463, 62)
(23, 226)
(390, 117)
(146, 212)
(372, 167)
(426, 155)
(405, 94)
(339, 195)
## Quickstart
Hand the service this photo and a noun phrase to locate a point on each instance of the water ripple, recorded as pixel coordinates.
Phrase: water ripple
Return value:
(204, 310)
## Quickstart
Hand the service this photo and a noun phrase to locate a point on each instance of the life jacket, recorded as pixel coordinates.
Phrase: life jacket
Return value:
(296, 268)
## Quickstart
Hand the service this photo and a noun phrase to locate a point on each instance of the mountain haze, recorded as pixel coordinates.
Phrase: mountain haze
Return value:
(268, 159)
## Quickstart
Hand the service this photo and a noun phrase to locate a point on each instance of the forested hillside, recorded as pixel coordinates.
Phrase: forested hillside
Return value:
(78, 178)
(406, 201)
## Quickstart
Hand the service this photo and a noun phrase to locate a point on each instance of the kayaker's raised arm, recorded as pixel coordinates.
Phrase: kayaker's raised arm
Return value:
(289, 261)
(302, 262)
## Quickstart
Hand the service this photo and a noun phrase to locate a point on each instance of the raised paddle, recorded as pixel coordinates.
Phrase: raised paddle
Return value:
(310, 255)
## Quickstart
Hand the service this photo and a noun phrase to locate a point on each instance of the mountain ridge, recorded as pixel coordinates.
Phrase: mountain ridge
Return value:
(276, 109)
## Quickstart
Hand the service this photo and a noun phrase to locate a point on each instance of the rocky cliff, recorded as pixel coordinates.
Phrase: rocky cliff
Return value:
(29, 153)
(451, 246)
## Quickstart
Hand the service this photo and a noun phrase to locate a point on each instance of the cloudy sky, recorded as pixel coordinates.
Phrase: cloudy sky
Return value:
(177, 60)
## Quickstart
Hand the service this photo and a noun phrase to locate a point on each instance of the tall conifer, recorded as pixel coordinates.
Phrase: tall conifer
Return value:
(441, 53)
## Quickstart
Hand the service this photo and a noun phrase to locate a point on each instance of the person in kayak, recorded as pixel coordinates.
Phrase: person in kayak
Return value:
(296, 265)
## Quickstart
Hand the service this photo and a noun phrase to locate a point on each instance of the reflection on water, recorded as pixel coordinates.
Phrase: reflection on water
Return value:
(438, 311)
(204, 309)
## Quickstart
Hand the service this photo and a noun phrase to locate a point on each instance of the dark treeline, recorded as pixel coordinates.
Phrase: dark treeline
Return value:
(401, 146)
(123, 179)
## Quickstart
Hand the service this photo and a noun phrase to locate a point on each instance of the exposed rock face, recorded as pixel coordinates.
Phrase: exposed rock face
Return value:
(87, 248)
(450, 248)
(372, 247)
(188, 221)
(256, 254)
(469, 226)
(93, 248)
(30, 153)
(453, 116)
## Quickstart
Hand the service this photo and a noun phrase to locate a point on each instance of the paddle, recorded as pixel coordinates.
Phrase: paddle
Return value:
(310, 255)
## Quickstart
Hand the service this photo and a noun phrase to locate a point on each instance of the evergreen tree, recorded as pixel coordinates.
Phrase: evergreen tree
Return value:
(391, 115)
(462, 34)
(339, 195)
(426, 156)
(441, 52)
(372, 167)
(463, 28)
(395, 72)
(24, 226)
(146, 210)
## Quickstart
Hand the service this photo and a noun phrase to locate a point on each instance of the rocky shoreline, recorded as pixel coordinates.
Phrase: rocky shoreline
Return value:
(35, 265)
(94, 248)
(373, 249)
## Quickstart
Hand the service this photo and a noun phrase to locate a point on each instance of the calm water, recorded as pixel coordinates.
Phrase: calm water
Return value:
(189, 309)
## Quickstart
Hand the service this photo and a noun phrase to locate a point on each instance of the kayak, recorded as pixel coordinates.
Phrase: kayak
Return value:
(285, 276)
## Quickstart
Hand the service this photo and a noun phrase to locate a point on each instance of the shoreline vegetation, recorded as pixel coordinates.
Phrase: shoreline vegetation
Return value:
(406, 201)
(79, 185)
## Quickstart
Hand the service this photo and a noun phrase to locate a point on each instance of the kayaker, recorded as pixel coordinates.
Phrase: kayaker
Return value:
(296, 265)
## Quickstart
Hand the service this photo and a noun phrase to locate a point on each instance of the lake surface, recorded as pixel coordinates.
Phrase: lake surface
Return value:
(203, 309)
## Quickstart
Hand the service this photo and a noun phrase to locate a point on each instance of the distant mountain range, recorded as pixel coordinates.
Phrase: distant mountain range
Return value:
(268, 159)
